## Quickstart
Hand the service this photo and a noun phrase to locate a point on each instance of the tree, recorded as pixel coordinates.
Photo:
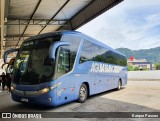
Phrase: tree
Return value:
(136, 68)
(157, 66)
(130, 68)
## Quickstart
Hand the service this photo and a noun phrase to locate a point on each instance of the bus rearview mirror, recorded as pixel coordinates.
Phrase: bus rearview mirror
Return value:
(5, 56)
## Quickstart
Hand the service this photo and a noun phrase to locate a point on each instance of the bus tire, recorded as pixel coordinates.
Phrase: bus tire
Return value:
(83, 93)
(119, 85)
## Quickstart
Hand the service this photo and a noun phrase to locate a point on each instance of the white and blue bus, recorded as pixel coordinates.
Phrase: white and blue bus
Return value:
(59, 67)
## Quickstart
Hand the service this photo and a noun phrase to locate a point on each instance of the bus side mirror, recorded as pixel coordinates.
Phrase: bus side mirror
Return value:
(7, 53)
(53, 48)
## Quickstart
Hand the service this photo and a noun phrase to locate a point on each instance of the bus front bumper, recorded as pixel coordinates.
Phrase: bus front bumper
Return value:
(43, 99)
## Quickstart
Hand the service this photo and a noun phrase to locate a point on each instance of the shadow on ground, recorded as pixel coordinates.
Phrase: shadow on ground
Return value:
(94, 103)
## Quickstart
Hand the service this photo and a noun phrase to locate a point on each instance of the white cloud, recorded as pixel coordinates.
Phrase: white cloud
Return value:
(133, 24)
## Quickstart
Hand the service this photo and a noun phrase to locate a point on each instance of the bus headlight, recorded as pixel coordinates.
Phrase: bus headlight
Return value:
(12, 88)
(44, 90)
(47, 89)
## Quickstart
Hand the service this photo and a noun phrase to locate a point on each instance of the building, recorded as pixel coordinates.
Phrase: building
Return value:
(142, 64)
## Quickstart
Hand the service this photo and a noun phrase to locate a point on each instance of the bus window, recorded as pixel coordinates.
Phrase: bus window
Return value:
(75, 40)
(63, 65)
(87, 52)
(93, 52)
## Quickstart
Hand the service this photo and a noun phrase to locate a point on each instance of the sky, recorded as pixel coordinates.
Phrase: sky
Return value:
(133, 24)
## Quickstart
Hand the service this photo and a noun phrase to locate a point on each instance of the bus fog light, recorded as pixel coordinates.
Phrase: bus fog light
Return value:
(49, 99)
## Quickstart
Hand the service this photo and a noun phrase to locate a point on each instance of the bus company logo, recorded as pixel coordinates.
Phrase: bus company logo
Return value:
(19, 115)
(104, 68)
(6, 115)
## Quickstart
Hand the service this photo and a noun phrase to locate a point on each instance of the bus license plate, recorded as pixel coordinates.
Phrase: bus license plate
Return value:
(24, 100)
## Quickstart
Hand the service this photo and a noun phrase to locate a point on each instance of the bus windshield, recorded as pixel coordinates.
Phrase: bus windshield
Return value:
(32, 65)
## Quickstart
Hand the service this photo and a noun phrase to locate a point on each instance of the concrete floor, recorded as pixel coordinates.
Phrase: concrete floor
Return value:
(137, 96)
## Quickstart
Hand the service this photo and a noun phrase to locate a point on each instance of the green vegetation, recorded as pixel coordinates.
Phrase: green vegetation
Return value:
(157, 66)
(133, 68)
(130, 68)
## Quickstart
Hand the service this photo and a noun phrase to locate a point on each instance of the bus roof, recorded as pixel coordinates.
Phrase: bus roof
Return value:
(60, 33)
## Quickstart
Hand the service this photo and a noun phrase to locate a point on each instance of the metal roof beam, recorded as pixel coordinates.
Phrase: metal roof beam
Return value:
(35, 22)
(22, 19)
(11, 40)
(54, 15)
(14, 39)
(12, 46)
(17, 35)
(30, 19)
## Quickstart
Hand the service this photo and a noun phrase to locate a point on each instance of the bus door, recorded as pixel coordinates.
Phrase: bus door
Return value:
(65, 90)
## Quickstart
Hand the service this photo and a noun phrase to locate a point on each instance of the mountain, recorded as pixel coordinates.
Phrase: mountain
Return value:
(151, 55)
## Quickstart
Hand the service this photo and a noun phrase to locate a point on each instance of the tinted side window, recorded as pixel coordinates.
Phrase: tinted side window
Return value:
(67, 55)
(93, 52)
(75, 41)
(99, 53)
(87, 53)
(121, 60)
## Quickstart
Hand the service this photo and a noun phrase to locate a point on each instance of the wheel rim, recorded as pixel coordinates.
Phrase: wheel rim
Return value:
(82, 93)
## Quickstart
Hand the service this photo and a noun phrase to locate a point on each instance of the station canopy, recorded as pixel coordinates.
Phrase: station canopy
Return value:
(25, 18)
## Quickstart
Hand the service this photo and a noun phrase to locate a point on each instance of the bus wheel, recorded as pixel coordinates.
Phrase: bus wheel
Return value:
(83, 92)
(119, 85)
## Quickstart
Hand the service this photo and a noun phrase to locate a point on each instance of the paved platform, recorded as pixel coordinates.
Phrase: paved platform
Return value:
(137, 96)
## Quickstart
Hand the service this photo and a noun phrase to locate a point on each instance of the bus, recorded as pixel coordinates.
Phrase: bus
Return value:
(59, 67)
